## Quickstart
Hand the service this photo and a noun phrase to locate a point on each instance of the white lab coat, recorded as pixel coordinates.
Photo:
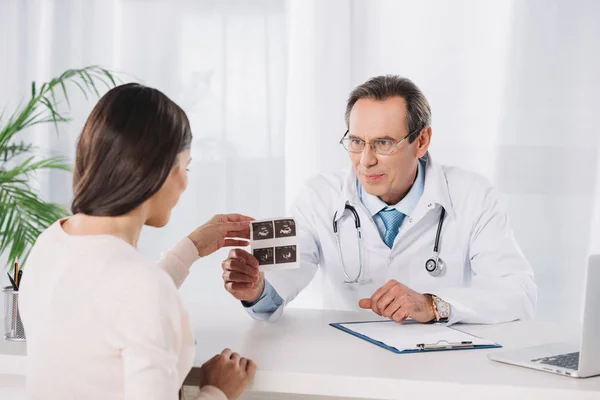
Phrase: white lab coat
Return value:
(486, 280)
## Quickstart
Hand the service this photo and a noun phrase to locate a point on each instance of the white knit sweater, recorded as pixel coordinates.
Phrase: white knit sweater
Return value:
(104, 322)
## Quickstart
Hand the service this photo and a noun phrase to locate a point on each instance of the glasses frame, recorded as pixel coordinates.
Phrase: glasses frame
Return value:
(372, 148)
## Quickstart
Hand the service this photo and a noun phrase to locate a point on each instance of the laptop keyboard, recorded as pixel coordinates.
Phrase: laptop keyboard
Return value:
(568, 361)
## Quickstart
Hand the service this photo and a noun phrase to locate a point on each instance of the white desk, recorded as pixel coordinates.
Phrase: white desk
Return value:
(302, 354)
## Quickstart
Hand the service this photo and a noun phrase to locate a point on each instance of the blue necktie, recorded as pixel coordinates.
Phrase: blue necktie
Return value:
(392, 219)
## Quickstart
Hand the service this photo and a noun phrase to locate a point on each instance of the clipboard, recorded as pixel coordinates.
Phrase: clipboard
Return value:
(414, 337)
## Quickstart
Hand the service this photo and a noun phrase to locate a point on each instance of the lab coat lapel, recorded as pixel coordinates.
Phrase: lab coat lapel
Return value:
(435, 192)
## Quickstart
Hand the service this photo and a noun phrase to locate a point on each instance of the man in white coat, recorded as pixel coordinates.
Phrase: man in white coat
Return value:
(435, 242)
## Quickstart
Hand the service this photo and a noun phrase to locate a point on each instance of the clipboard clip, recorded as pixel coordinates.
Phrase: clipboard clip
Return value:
(444, 344)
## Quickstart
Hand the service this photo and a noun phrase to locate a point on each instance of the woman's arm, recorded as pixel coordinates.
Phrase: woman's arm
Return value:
(177, 261)
(221, 231)
(144, 327)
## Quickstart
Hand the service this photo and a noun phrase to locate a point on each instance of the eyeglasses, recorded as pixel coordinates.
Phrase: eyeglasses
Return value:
(379, 146)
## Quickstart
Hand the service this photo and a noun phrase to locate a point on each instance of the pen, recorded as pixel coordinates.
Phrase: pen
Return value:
(19, 278)
(12, 282)
(447, 345)
(16, 272)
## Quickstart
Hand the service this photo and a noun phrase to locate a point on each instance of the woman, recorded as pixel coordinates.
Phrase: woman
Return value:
(103, 321)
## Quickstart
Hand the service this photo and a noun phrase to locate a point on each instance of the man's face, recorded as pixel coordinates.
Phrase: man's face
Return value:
(388, 177)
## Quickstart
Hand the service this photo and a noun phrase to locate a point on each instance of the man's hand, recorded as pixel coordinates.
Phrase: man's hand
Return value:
(398, 302)
(220, 231)
(241, 276)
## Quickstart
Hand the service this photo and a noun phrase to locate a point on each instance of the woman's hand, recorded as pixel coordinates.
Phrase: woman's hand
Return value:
(228, 372)
(221, 231)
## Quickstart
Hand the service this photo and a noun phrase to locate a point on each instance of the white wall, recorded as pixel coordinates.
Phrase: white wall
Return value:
(513, 85)
(514, 90)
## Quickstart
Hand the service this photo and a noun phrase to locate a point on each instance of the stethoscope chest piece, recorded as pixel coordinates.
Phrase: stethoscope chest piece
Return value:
(435, 266)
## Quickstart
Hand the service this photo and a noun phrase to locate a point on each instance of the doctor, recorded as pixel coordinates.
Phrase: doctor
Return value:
(397, 233)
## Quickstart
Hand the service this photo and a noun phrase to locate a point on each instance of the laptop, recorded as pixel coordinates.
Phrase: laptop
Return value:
(563, 358)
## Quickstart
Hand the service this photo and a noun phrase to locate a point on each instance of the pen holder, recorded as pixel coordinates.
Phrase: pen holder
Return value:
(13, 327)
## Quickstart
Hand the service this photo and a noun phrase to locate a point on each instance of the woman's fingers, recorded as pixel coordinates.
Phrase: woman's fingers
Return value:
(235, 243)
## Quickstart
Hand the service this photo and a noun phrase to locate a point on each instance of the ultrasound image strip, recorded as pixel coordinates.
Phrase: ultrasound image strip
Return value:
(279, 228)
(276, 255)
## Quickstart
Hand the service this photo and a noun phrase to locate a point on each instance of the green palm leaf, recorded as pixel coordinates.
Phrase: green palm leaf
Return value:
(23, 214)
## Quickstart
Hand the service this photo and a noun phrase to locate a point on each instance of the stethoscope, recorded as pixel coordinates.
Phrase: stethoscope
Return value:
(435, 266)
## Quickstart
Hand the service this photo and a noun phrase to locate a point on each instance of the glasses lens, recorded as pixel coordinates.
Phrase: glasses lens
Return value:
(354, 145)
(383, 146)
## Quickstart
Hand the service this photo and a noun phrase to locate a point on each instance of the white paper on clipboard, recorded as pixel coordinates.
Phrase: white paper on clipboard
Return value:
(405, 336)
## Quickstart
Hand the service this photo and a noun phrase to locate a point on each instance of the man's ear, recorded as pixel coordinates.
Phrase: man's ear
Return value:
(423, 142)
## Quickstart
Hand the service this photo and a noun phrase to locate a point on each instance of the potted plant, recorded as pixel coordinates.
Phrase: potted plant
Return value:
(24, 215)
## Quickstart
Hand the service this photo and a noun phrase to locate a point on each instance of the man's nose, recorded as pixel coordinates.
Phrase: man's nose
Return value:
(368, 156)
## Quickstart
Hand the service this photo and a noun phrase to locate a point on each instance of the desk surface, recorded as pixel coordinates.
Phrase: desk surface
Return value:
(301, 353)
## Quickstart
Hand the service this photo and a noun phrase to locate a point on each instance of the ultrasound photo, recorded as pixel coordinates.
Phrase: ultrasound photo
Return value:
(262, 230)
(264, 256)
(285, 228)
(285, 254)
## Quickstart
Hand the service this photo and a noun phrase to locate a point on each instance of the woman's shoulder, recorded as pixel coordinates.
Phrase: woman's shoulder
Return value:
(105, 257)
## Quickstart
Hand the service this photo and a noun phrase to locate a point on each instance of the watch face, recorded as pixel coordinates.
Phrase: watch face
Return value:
(442, 308)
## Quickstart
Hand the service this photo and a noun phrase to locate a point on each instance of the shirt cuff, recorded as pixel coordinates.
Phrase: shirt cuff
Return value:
(211, 392)
(268, 301)
(186, 252)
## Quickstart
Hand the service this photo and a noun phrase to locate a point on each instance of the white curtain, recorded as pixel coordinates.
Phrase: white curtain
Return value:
(515, 93)
(223, 61)
(513, 86)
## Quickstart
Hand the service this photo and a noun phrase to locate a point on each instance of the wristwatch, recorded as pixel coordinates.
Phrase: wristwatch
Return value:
(441, 309)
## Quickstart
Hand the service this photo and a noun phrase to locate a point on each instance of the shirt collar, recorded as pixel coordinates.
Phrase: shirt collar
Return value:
(435, 188)
(408, 203)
